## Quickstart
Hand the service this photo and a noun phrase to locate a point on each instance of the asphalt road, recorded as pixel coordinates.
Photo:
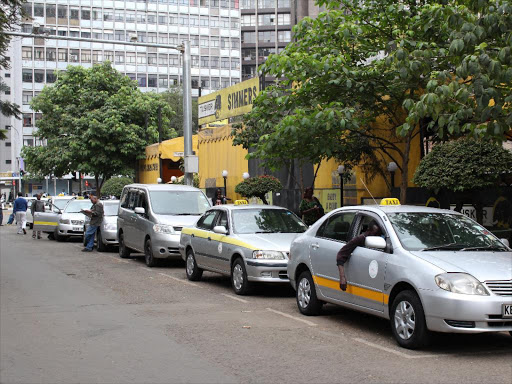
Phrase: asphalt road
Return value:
(73, 317)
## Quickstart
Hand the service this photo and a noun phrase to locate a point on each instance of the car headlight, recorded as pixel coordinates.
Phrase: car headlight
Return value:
(64, 221)
(275, 255)
(162, 228)
(110, 227)
(461, 283)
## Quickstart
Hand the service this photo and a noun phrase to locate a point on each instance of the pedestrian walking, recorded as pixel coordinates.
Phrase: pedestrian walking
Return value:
(20, 211)
(96, 215)
(310, 208)
(37, 206)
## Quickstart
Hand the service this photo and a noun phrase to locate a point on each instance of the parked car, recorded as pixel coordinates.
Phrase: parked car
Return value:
(60, 226)
(249, 243)
(107, 232)
(71, 221)
(434, 270)
(151, 218)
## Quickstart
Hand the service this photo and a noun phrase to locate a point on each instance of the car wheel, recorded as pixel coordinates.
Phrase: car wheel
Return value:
(60, 238)
(239, 281)
(31, 226)
(307, 301)
(194, 273)
(408, 321)
(148, 254)
(101, 247)
(124, 251)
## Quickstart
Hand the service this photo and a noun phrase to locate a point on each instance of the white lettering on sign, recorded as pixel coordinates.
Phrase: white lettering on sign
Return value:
(470, 211)
(207, 109)
(179, 154)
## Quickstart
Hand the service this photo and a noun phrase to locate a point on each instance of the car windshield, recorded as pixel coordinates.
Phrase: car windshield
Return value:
(178, 202)
(60, 203)
(76, 205)
(442, 231)
(266, 221)
(110, 209)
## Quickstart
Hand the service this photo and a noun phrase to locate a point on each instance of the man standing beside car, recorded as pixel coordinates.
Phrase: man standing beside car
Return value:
(20, 211)
(96, 215)
(37, 206)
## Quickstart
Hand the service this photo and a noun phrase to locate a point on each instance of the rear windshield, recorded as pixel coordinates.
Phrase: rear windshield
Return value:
(110, 209)
(178, 202)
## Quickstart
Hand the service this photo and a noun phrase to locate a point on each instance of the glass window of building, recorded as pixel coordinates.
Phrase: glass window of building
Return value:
(235, 23)
(162, 18)
(141, 37)
(108, 56)
(141, 79)
(248, 4)
(267, 36)
(248, 37)
(62, 32)
(151, 18)
(284, 36)
(74, 55)
(224, 4)
(38, 10)
(248, 54)
(85, 56)
(194, 41)
(26, 97)
(214, 62)
(26, 53)
(163, 38)
(269, 19)
(248, 20)
(214, 3)
(152, 37)
(163, 59)
(174, 60)
(173, 19)
(152, 59)
(163, 81)
(119, 35)
(265, 52)
(27, 119)
(39, 53)
(195, 61)
(74, 13)
(97, 35)
(215, 83)
(108, 15)
(203, 3)
(62, 54)
(152, 81)
(173, 39)
(62, 11)
(27, 8)
(51, 10)
(119, 57)
(205, 83)
(132, 76)
(130, 16)
(38, 75)
(224, 62)
(224, 22)
(85, 34)
(214, 42)
(141, 58)
(224, 82)
(97, 14)
(235, 43)
(28, 142)
(97, 57)
(283, 19)
(235, 64)
(214, 22)
(224, 42)
(118, 15)
(140, 17)
(51, 77)
(51, 54)
(195, 82)
(283, 3)
(130, 58)
(74, 33)
(204, 22)
(86, 13)
(183, 20)
(26, 28)
(205, 61)
(194, 21)
(266, 4)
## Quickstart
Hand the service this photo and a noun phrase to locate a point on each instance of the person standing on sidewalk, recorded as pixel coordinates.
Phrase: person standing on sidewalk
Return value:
(37, 206)
(96, 215)
(20, 211)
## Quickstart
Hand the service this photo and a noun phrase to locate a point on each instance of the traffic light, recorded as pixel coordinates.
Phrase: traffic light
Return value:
(86, 183)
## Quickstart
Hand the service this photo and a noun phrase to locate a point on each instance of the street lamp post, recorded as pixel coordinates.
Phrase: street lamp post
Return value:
(225, 176)
(392, 167)
(341, 172)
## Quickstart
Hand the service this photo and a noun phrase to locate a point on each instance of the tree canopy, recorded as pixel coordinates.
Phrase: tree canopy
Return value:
(258, 187)
(95, 121)
(114, 186)
(360, 82)
(174, 97)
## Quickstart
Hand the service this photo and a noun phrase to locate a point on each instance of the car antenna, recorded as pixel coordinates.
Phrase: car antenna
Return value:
(375, 201)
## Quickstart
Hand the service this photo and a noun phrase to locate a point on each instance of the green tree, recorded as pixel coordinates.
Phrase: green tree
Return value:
(94, 121)
(258, 187)
(10, 13)
(114, 186)
(464, 165)
(174, 96)
(366, 74)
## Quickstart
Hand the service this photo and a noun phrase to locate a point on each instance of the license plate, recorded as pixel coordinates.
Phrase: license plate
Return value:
(506, 310)
(77, 229)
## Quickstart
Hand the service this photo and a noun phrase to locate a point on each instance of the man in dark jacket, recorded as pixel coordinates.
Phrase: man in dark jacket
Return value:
(96, 215)
(37, 206)
(344, 253)
(20, 211)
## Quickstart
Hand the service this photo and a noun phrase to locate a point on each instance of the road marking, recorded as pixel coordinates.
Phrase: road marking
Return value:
(310, 323)
(234, 298)
(390, 350)
(180, 280)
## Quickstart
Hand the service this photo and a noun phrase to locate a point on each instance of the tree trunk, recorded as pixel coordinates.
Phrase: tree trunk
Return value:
(262, 197)
(405, 171)
(479, 208)
(98, 186)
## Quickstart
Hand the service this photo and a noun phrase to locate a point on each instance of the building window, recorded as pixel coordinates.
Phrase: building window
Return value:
(97, 57)
(140, 17)
(74, 33)
(26, 97)
(174, 60)
(235, 23)
(97, 35)
(224, 63)
(28, 142)
(130, 16)
(214, 22)
(151, 18)
(266, 4)
(119, 57)
(267, 36)
(119, 35)
(74, 55)
(203, 21)
(235, 64)
(173, 19)
(205, 61)
(108, 35)
(62, 32)
(74, 14)
(141, 58)
(96, 14)
(39, 54)
(50, 11)
(51, 77)
(214, 62)
(85, 56)
(205, 83)
(63, 54)
(27, 119)
(141, 79)
(215, 83)
(51, 54)
(173, 40)
(38, 10)
(62, 11)
(248, 37)
(132, 76)
(152, 81)
(27, 8)
(235, 43)
(163, 81)
(86, 13)
(8, 161)
(26, 75)
(248, 54)
(267, 19)
(194, 41)
(248, 20)
(224, 22)
(203, 3)
(284, 36)
(283, 19)
(119, 16)
(7, 143)
(194, 21)
(163, 59)
(214, 42)
(108, 56)
(152, 59)
(26, 53)
(152, 37)
(130, 58)
(195, 61)
(283, 3)
(39, 75)
(224, 82)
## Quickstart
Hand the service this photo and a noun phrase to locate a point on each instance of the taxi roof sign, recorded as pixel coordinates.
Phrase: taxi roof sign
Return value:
(241, 202)
(390, 201)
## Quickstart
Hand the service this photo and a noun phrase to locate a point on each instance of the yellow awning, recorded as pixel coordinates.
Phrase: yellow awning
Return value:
(170, 149)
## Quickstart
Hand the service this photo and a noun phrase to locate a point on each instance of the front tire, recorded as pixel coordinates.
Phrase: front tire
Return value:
(239, 281)
(101, 247)
(194, 273)
(408, 321)
(124, 251)
(148, 254)
(60, 238)
(307, 301)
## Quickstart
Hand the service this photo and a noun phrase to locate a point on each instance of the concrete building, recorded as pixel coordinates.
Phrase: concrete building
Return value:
(212, 27)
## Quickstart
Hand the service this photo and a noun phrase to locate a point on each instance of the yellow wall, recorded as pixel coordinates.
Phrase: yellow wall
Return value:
(218, 154)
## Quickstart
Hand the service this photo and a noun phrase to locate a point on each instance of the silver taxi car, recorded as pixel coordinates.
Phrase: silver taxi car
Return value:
(250, 243)
(432, 270)
(107, 231)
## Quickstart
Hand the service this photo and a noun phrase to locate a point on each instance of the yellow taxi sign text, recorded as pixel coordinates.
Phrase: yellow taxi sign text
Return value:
(80, 198)
(390, 201)
(241, 202)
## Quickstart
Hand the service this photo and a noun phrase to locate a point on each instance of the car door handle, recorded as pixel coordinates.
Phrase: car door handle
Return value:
(209, 238)
(315, 246)
(193, 235)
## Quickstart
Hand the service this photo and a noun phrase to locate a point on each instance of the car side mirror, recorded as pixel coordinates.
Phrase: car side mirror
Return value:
(506, 242)
(220, 229)
(376, 242)
(140, 211)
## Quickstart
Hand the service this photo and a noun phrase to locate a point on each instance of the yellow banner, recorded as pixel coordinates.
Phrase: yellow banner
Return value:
(228, 102)
(329, 198)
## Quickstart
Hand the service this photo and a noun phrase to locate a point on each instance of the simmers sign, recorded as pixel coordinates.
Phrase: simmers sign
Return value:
(228, 102)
